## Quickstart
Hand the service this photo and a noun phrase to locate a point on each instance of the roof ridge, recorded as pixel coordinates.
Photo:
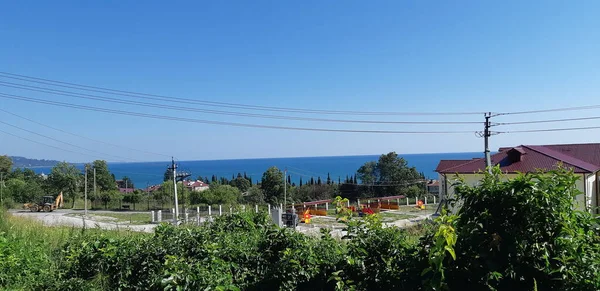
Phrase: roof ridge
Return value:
(563, 157)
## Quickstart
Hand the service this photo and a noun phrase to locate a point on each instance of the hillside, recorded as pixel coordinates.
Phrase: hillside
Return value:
(19, 162)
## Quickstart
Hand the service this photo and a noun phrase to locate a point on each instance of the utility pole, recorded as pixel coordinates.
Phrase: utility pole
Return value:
(284, 188)
(95, 194)
(486, 135)
(1, 186)
(174, 171)
(148, 193)
(85, 192)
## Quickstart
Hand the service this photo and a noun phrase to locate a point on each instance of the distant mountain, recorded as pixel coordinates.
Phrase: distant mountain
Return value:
(20, 162)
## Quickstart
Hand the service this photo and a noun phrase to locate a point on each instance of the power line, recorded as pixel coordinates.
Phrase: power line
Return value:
(545, 121)
(213, 103)
(64, 142)
(552, 129)
(81, 136)
(210, 111)
(549, 110)
(44, 144)
(191, 120)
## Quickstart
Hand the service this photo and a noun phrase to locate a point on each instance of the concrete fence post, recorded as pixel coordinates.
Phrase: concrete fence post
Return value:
(398, 200)
(186, 217)
(159, 216)
(434, 200)
(256, 208)
(209, 210)
(407, 201)
(243, 208)
(269, 208)
(230, 210)
(198, 215)
(174, 218)
(358, 203)
(152, 216)
(220, 210)
(425, 200)
(327, 206)
(348, 204)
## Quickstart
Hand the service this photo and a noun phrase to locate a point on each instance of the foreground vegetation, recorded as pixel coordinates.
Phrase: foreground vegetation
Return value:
(518, 235)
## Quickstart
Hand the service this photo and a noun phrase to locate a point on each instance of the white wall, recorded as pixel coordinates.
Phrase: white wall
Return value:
(587, 200)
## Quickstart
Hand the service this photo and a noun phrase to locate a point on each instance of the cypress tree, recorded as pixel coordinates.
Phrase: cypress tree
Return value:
(355, 181)
(319, 181)
(214, 178)
(339, 180)
(289, 179)
(328, 179)
(300, 181)
(312, 181)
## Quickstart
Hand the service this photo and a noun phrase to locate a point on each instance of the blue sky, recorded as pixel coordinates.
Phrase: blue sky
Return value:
(427, 56)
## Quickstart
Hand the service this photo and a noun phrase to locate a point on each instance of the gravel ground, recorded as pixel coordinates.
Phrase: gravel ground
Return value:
(59, 217)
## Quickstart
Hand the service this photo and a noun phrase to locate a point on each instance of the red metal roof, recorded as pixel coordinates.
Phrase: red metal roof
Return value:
(446, 164)
(586, 160)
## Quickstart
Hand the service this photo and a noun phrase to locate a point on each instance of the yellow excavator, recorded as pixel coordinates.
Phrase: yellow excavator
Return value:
(48, 204)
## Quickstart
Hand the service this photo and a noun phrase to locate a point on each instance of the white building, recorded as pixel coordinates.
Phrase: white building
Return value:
(583, 159)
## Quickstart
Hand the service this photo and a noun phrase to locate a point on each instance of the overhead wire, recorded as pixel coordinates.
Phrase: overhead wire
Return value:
(551, 129)
(214, 103)
(81, 136)
(192, 120)
(210, 111)
(545, 121)
(44, 144)
(67, 143)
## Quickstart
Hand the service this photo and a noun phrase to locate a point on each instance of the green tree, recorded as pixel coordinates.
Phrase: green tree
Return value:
(64, 177)
(127, 181)
(272, 185)
(6, 164)
(390, 172)
(241, 183)
(217, 194)
(133, 198)
(168, 175)
(254, 195)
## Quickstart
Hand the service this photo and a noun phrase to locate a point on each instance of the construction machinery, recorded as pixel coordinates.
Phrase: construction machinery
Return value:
(47, 204)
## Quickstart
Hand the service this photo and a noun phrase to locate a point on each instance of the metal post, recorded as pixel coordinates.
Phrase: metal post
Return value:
(85, 192)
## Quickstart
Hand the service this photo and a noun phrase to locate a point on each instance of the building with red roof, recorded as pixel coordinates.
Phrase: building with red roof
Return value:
(583, 159)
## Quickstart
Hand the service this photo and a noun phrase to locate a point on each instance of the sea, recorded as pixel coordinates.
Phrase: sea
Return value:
(338, 167)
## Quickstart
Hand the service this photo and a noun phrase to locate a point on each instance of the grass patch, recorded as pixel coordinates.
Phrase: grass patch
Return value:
(393, 216)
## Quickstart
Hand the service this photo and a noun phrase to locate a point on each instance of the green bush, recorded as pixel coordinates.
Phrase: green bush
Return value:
(520, 234)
